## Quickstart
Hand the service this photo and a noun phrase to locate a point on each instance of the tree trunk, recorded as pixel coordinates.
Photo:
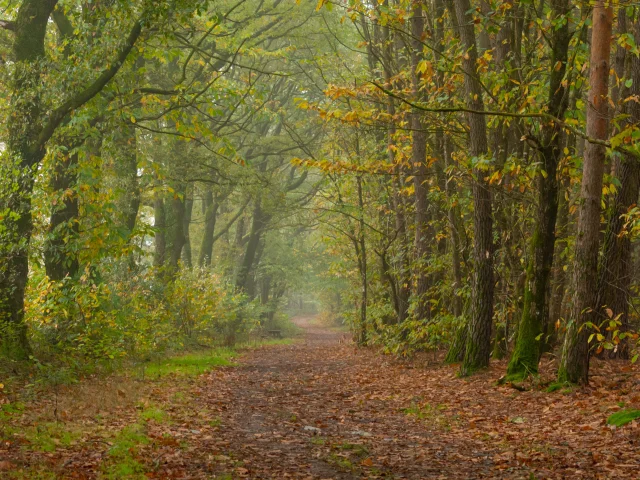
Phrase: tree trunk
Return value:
(128, 160)
(614, 273)
(403, 284)
(443, 147)
(574, 365)
(478, 343)
(188, 213)
(362, 260)
(535, 312)
(260, 221)
(25, 153)
(178, 237)
(559, 274)
(211, 213)
(419, 167)
(160, 227)
(60, 257)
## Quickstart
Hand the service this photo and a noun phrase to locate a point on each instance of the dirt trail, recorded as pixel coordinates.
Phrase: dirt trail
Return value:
(323, 409)
(307, 411)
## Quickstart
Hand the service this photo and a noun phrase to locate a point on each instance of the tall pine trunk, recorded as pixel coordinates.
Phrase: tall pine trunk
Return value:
(574, 365)
(419, 167)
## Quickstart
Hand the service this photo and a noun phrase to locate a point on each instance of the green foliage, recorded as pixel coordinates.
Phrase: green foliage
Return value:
(413, 335)
(133, 317)
(44, 437)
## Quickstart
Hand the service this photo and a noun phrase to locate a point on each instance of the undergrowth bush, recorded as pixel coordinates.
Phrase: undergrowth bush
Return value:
(122, 316)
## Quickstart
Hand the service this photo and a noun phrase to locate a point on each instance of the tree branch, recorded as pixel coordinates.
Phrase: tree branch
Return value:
(8, 25)
(547, 116)
(233, 219)
(62, 22)
(58, 115)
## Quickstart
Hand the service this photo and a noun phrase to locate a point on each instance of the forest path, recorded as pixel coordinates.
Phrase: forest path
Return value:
(323, 409)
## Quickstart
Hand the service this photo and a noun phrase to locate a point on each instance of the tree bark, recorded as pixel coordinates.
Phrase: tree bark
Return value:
(615, 272)
(128, 169)
(362, 261)
(478, 342)
(258, 225)
(574, 365)
(211, 214)
(25, 152)
(188, 213)
(178, 237)
(535, 312)
(419, 167)
(443, 149)
(160, 227)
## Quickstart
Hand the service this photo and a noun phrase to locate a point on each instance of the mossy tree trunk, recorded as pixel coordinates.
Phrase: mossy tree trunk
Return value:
(535, 312)
(25, 152)
(456, 351)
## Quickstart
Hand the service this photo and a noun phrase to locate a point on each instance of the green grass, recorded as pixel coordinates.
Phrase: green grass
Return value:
(31, 473)
(199, 362)
(429, 413)
(216, 422)
(9, 409)
(356, 449)
(623, 417)
(46, 437)
(191, 364)
(565, 388)
(122, 462)
(154, 413)
(347, 456)
(341, 462)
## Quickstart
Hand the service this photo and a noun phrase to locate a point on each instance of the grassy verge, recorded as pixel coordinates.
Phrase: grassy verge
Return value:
(202, 361)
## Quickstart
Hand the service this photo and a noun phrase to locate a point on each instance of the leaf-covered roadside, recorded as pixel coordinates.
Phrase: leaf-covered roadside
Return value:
(113, 427)
(320, 408)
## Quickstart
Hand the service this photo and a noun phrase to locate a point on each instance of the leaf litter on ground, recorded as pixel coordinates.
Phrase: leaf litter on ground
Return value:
(324, 409)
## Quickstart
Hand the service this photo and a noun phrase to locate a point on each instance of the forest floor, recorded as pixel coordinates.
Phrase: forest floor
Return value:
(321, 409)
